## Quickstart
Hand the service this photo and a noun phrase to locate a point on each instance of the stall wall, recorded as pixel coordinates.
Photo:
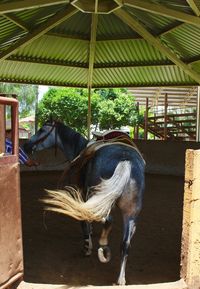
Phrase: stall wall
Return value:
(162, 157)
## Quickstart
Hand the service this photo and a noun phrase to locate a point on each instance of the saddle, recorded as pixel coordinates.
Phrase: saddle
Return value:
(73, 168)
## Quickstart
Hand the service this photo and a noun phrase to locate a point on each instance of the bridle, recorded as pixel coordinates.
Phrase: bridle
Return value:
(43, 138)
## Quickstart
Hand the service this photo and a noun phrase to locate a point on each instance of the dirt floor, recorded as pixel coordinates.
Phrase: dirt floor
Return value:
(52, 243)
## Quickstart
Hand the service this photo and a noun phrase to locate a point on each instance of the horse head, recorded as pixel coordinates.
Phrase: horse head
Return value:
(56, 134)
(45, 137)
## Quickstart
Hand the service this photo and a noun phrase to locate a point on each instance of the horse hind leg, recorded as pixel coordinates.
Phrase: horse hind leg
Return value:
(87, 232)
(129, 230)
(104, 253)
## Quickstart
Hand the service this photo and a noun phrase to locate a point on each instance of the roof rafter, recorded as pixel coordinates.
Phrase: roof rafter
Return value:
(16, 21)
(39, 31)
(194, 6)
(34, 60)
(29, 59)
(28, 4)
(163, 10)
(136, 26)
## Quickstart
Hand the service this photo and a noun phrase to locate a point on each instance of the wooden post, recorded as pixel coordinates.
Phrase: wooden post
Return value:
(2, 128)
(146, 120)
(136, 128)
(89, 112)
(36, 111)
(190, 253)
(165, 117)
(198, 116)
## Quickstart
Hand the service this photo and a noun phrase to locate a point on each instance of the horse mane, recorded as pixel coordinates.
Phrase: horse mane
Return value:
(72, 137)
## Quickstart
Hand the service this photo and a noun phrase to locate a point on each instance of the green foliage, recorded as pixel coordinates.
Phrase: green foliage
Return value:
(110, 108)
(118, 112)
(70, 106)
(26, 95)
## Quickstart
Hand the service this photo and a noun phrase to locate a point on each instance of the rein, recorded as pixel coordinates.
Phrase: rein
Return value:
(40, 140)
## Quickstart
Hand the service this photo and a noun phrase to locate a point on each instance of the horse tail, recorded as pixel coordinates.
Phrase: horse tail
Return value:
(99, 205)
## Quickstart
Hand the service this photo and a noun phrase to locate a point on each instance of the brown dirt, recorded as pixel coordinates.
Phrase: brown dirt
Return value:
(52, 243)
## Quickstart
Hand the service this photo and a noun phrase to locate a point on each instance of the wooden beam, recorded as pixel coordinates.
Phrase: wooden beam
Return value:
(14, 6)
(16, 21)
(91, 66)
(163, 10)
(39, 31)
(194, 6)
(21, 58)
(45, 61)
(136, 26)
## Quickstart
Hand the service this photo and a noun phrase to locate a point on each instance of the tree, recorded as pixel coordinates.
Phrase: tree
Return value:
(26, 95)
(110, 108)
(70, 106)
(121, 111)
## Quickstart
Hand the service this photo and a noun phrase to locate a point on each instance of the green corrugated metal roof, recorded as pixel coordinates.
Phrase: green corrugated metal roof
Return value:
(36, 47)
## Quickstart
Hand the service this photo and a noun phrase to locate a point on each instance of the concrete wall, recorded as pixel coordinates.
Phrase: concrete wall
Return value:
(162, 157)
(165, 157)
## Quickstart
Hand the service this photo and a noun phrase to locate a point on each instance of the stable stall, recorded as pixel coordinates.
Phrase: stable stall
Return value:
(95, 44)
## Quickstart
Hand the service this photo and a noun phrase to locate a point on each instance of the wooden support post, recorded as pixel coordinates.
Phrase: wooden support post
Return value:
(190, 253)
(136, 128)
(2, 128)
(89, 112)
(165, 117)
(198, 116)
(36, 111)
(146, 120)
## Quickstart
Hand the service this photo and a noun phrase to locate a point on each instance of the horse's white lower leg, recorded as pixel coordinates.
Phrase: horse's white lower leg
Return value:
(129, 230)
(121, 279)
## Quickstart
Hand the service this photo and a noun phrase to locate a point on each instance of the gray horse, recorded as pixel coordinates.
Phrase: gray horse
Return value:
(112, 174)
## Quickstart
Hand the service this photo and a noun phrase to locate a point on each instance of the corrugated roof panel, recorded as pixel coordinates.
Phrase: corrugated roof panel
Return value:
(178, 5)
(185, 40)
(38, 73)
(78, 25)
(153, 22)
(122, 57)
(8, 32)
(144, 76)
(38, 15)
(111, 27)
(176, 96)
(71, 50)
(138, 51)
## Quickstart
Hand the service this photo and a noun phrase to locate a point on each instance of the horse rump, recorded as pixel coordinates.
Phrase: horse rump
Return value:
(100, 201)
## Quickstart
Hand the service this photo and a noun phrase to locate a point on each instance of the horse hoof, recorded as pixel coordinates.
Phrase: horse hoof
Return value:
(121, 282)
(104, 254)
(86, 252)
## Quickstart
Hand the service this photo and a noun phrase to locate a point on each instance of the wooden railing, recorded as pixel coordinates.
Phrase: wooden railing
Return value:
(168, 125)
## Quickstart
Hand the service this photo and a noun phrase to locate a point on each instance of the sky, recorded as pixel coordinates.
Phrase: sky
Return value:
(42, 90)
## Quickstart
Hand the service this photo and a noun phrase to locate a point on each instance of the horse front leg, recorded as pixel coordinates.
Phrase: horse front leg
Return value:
(87, 236)
(104, 253)
(129, 230)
